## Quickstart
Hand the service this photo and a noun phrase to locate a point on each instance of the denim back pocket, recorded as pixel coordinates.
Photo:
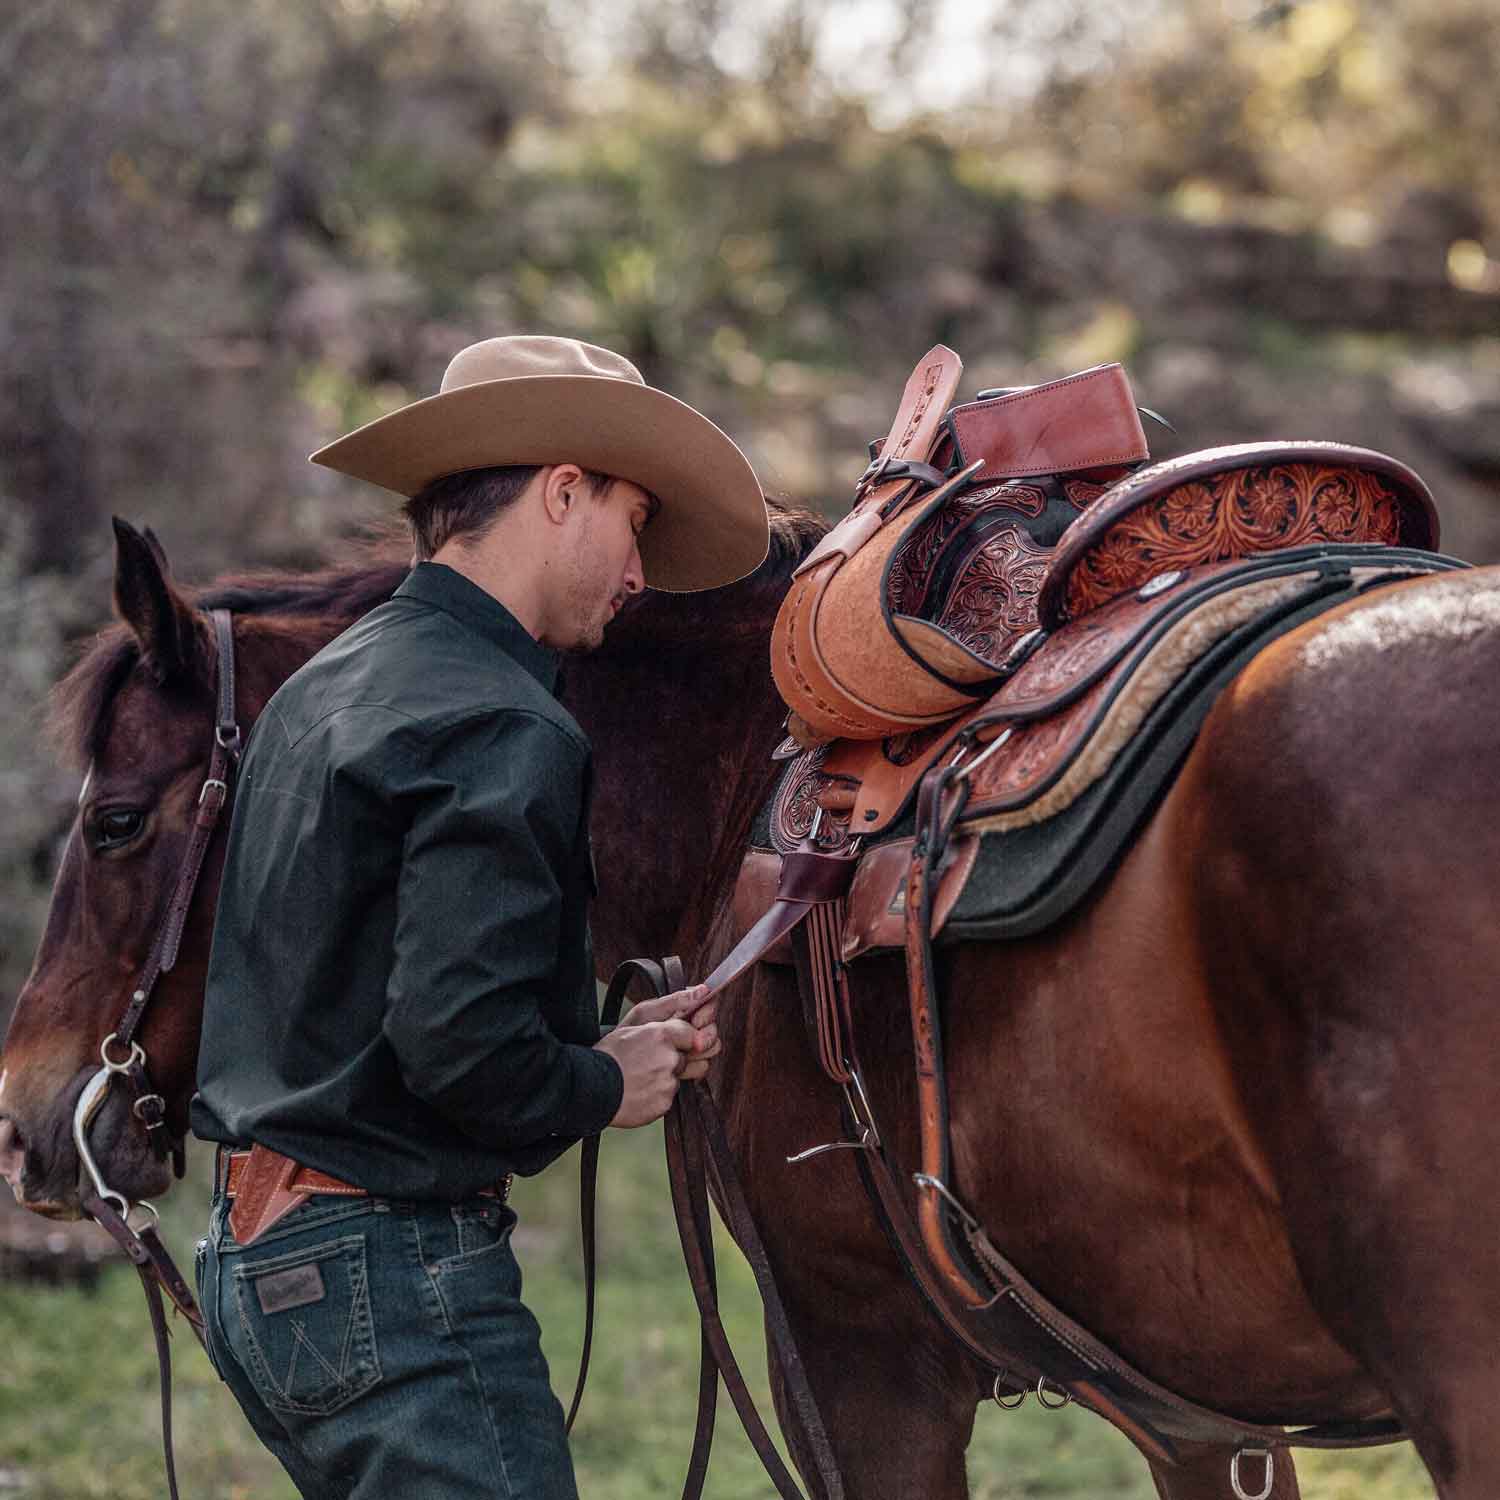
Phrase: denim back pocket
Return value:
(308, 1330)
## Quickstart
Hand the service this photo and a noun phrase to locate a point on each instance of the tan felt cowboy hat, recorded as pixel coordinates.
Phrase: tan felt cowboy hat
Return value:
(533, 399)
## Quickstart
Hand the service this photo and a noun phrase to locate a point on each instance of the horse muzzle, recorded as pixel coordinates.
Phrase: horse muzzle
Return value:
(41, 1163)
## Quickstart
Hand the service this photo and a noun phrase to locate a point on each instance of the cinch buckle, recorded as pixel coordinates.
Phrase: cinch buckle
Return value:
(1264, 1492)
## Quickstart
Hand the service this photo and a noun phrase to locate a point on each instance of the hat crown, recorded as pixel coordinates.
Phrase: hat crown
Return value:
(526, 356)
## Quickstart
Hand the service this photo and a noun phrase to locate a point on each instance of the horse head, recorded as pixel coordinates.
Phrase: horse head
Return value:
(138, 713)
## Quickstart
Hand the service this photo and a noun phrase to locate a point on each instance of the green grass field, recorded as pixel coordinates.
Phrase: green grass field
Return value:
(78, 1411)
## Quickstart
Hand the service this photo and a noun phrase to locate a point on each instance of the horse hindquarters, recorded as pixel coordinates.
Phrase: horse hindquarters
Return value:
(1348, 800)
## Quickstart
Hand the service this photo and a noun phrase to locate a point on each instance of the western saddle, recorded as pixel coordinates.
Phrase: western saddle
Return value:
(994, 664)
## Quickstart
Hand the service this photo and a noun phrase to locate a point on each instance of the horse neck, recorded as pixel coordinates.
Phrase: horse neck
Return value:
(269, 649)
(683, 723)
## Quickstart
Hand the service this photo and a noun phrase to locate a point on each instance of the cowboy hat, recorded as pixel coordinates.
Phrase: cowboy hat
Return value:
(534, 399)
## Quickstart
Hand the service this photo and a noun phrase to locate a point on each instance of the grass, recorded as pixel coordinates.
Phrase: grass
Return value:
(78, 1414)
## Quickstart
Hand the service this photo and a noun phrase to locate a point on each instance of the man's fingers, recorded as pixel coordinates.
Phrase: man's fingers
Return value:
(682, 1034)
(706, 1041)
(644, 1012)
(706, 1015)
(665, 1007)
(696, 1069)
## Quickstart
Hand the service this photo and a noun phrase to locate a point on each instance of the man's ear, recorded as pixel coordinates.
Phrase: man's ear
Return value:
(560, 489)
(163, 621)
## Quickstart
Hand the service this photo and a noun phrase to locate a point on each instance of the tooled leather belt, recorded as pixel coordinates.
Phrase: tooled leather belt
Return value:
(266, 1185)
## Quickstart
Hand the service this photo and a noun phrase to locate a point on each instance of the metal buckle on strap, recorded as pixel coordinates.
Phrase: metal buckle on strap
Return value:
(1269, 1479)
(214, 784)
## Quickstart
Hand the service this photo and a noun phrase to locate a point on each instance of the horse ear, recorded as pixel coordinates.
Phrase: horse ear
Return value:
(158, 552)
(145, 599)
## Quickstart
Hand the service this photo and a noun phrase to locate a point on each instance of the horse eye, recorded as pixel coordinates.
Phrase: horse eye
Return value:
(117, 827)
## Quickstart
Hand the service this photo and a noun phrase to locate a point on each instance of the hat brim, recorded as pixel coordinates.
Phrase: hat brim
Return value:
(712, 527)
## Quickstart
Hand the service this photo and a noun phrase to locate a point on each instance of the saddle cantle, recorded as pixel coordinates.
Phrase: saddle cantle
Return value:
(1231, 502)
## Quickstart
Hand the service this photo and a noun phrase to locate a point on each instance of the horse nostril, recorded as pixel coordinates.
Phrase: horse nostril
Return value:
(12, 1152)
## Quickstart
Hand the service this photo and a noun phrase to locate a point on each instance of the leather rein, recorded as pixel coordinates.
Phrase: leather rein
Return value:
(124, 1058)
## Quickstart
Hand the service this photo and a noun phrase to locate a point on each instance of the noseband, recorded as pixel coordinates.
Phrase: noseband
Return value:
(123, 1056)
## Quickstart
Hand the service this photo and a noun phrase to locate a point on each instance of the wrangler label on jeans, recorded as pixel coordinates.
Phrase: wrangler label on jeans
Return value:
(295, 1288)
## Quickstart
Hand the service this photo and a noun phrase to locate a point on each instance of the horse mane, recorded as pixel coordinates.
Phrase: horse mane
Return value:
(78, 715)
(795, 531)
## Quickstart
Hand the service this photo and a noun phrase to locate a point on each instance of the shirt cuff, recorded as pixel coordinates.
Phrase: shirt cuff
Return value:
(598, 1088)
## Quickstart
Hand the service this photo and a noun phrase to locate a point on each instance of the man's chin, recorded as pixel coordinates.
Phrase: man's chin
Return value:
(587, 641)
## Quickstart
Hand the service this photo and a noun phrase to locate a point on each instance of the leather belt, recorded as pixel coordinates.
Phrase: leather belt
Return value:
(267, 1185)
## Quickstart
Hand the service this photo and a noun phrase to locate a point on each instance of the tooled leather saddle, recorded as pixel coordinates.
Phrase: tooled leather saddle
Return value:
(994, 664)
(1014, 592)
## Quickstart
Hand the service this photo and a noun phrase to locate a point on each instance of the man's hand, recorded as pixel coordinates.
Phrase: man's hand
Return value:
(658, 1044)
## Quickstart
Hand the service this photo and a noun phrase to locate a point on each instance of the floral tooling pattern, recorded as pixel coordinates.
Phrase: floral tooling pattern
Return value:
(1234, 514)
(911, 568)
(993, 603)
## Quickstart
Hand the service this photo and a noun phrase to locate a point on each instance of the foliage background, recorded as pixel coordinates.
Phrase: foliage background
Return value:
(234, 228)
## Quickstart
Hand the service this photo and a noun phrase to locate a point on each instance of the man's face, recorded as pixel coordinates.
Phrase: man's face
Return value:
(604, 560)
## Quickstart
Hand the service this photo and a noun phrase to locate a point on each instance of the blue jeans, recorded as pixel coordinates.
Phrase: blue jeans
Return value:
(381, 1348)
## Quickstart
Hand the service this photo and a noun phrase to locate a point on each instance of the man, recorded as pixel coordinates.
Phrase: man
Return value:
(400, 1002)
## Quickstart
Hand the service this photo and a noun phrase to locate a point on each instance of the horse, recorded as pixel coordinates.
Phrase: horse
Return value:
(1233, 1113)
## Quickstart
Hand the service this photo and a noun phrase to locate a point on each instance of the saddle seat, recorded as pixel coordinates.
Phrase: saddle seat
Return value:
(1102, 667)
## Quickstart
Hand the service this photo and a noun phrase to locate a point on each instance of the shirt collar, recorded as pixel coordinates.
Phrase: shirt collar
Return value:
(447, 589)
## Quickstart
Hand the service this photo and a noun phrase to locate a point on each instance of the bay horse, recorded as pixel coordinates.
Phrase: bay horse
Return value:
(1235, 1113)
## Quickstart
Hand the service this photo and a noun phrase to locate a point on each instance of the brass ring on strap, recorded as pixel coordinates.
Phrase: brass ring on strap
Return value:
(136, 1055)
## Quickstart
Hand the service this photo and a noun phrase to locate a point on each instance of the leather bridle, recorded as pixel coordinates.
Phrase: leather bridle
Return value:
(124, 1058)
(148, 1106)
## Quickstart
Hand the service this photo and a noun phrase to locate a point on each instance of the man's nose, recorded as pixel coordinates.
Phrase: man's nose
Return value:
(635, 573)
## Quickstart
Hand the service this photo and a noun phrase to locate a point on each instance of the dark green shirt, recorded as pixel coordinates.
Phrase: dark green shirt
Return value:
(401, 989)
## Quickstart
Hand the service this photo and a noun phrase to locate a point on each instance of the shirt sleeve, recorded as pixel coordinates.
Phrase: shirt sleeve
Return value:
(495, 811)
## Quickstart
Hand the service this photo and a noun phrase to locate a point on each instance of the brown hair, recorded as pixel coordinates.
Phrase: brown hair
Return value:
(470, 502)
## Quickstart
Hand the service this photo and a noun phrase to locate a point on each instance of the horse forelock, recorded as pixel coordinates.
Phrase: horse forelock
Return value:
(81, 706)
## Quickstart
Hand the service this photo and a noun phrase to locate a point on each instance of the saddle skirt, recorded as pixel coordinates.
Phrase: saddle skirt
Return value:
(1154, 595)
